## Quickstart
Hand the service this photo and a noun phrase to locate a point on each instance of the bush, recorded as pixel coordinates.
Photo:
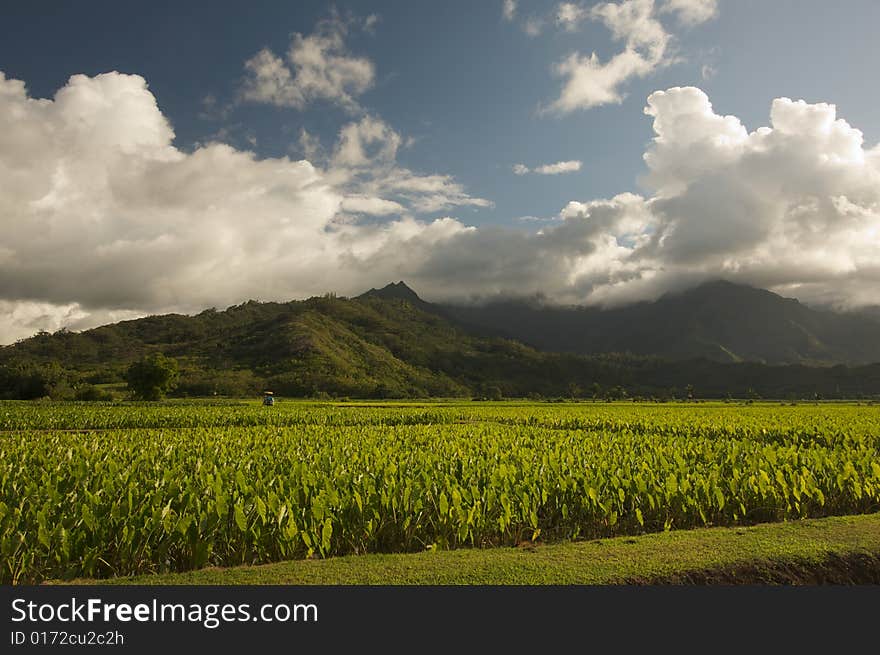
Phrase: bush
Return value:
(90, 392)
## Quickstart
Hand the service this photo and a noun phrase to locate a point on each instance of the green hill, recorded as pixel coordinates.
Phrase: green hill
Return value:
(386, 343)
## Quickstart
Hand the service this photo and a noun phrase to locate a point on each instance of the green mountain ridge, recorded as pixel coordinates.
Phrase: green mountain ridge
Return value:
(389, 343)
(718, 320)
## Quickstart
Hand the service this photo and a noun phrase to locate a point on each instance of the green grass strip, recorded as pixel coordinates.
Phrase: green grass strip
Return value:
(756, 553)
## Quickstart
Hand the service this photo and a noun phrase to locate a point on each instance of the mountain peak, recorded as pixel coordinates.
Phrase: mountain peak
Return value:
(719, 285)
(723, 291)
(398, 290)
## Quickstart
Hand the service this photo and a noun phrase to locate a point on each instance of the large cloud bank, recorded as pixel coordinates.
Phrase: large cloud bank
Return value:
(103, 217)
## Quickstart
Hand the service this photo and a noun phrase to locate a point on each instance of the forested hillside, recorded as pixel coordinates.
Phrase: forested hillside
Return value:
(384, 344)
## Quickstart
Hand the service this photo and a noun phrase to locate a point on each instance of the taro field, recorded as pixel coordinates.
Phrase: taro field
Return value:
(102, 490)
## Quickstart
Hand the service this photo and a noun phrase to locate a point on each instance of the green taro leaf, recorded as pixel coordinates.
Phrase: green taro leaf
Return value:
(240, 519)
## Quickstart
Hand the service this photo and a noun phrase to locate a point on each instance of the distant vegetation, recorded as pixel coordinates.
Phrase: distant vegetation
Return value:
(385, 344)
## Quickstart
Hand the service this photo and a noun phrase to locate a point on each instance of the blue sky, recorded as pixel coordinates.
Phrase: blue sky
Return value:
(460, 80)
(460, 90)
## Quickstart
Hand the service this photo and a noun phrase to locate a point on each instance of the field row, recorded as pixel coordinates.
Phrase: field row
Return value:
(828, 422)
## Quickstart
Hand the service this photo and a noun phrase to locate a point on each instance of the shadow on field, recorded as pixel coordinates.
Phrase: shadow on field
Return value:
(851, 569)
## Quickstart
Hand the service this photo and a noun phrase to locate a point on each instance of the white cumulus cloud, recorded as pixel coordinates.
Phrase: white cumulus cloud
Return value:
(508, 10)
(590, 81)
(691, 12)
(317, 67)
(364, 161)
(549, 169)
(569, 15)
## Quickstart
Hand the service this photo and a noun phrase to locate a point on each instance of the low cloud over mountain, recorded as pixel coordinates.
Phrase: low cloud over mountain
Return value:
(104, 217)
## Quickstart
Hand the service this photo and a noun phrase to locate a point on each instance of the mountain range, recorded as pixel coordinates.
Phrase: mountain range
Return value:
(714, 340)
(718, 320)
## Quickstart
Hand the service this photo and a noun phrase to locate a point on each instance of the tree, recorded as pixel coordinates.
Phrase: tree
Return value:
(616, 393)
(29, 380)
(490, 392)
(152, 377)
(574, 390)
